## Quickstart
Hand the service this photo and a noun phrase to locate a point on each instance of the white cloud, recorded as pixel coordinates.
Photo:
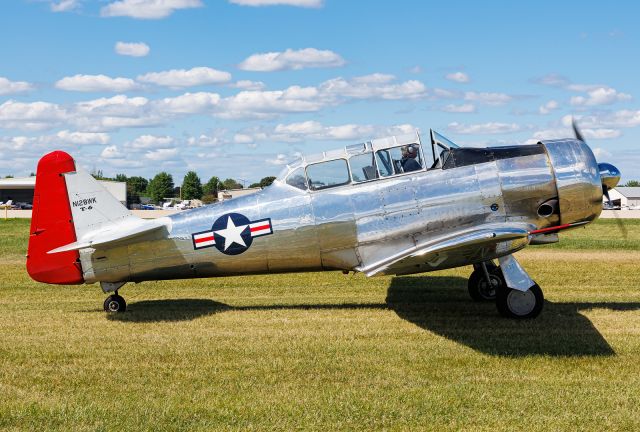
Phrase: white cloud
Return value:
(9, 87)
(83, 138)
(298, 3)
(132, 49)
(600, 96)
(64, 5)
(162, 154)
(553, 80)
(147, 9)
(617, 119)
(249, 85)
(588, 133)
(188, 103)
(280, 159)
(493, 99)
(291, 59)
(314, 130)
(96, 83)
(30, 116)
(180, 78)
(548, 107)
(242, 139)
(484, 128)
(373, 86)
(111, 152)
(459, 77)
(416, 69)
(601, 153)
(151, 142)
(463, 108)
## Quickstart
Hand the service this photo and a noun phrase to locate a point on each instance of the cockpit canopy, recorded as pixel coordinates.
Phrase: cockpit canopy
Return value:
(369, 161)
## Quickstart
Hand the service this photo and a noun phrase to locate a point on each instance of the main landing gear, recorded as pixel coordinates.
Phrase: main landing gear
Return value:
(114, 303)
(488, 283)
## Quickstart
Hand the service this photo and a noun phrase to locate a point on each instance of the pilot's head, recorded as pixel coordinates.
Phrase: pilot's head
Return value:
(409, 151)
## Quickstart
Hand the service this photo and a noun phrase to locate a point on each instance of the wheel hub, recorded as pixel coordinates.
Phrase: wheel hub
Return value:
(521, 303)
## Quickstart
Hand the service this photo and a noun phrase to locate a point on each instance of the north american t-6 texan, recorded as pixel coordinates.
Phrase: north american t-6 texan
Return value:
(390, 206)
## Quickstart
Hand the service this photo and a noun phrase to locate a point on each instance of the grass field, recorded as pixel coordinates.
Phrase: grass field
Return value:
(328, 351)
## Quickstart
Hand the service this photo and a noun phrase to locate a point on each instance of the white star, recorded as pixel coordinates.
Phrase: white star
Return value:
(232, 233)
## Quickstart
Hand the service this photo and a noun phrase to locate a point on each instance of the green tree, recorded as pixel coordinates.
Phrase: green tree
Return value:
(231, 184)
(633, 183)
(212, 186)
(266, 181)
(161, 186)
(191, 186)
(254, 185)
(138, 184)
(121, 178)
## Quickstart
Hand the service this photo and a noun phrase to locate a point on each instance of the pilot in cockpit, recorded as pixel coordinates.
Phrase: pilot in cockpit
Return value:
(408, 161)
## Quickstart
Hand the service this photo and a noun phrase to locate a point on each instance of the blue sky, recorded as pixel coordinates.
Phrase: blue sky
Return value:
(236, 88)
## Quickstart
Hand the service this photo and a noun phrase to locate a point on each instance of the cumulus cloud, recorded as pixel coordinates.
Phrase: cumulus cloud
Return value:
(132, 49)
(298, 3)
(291, 59)
(120, 111)
(249, 85)
(162, 154)
(180, 78)
(280, 159)
(459, 77)
(147, 9)
(492, 99)
(64, 5)
(600, 96)
(548, 107)
(312, 130)
(151, 142)
(31, 115)
(83, 138)
(588, 133)
(373, 86)
(553, 80)
(462, 108)
(111, 152)
(96, 83)
(490, 128)
(9, 87)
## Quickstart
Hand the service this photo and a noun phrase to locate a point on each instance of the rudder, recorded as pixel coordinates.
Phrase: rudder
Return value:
(52, 224)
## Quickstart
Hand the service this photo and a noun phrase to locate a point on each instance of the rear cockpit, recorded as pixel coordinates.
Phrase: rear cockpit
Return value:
(370, 161)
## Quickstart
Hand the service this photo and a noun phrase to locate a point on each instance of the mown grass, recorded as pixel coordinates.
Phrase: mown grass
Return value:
(324, 351)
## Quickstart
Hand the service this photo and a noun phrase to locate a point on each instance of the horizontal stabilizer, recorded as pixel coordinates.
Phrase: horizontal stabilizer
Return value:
(127, 229)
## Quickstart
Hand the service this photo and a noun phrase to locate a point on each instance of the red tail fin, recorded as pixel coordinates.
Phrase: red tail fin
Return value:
(52, 224)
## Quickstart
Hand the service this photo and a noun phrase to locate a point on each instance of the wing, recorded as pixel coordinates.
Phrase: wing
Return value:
(412, 260)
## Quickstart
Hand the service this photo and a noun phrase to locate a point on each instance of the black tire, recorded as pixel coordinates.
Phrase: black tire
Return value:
(115, 304)
(516, 304)
(479, 289)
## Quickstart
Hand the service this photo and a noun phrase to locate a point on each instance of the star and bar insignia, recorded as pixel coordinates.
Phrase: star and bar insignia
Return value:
(232, 233)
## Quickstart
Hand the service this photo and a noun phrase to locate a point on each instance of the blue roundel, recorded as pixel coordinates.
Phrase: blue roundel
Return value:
(232, 233)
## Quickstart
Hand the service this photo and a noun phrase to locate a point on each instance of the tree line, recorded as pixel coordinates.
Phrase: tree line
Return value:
(162, 186)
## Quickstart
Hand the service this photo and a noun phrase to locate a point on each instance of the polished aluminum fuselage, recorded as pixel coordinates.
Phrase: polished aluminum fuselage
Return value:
(355, 226)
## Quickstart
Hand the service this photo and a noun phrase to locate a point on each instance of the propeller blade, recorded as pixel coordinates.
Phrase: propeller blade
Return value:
(576, 131)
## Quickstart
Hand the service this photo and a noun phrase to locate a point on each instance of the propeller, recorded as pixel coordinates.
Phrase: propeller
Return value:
(609, 176)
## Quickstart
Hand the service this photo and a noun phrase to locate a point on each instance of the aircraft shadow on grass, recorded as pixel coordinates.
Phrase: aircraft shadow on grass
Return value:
(441, 305)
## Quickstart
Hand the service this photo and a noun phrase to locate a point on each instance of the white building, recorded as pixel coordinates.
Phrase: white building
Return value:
(625, 197)
(20, 189)
(235, 193)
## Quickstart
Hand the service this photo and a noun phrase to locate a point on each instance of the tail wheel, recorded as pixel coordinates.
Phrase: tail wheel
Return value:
(516, 304)
(114, 304)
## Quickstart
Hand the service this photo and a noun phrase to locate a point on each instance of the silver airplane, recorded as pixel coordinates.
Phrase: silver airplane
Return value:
(391, 206)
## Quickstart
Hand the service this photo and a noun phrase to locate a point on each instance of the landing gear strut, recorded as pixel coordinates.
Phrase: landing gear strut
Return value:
(488, 283)
(484, 281)
(115, 303)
